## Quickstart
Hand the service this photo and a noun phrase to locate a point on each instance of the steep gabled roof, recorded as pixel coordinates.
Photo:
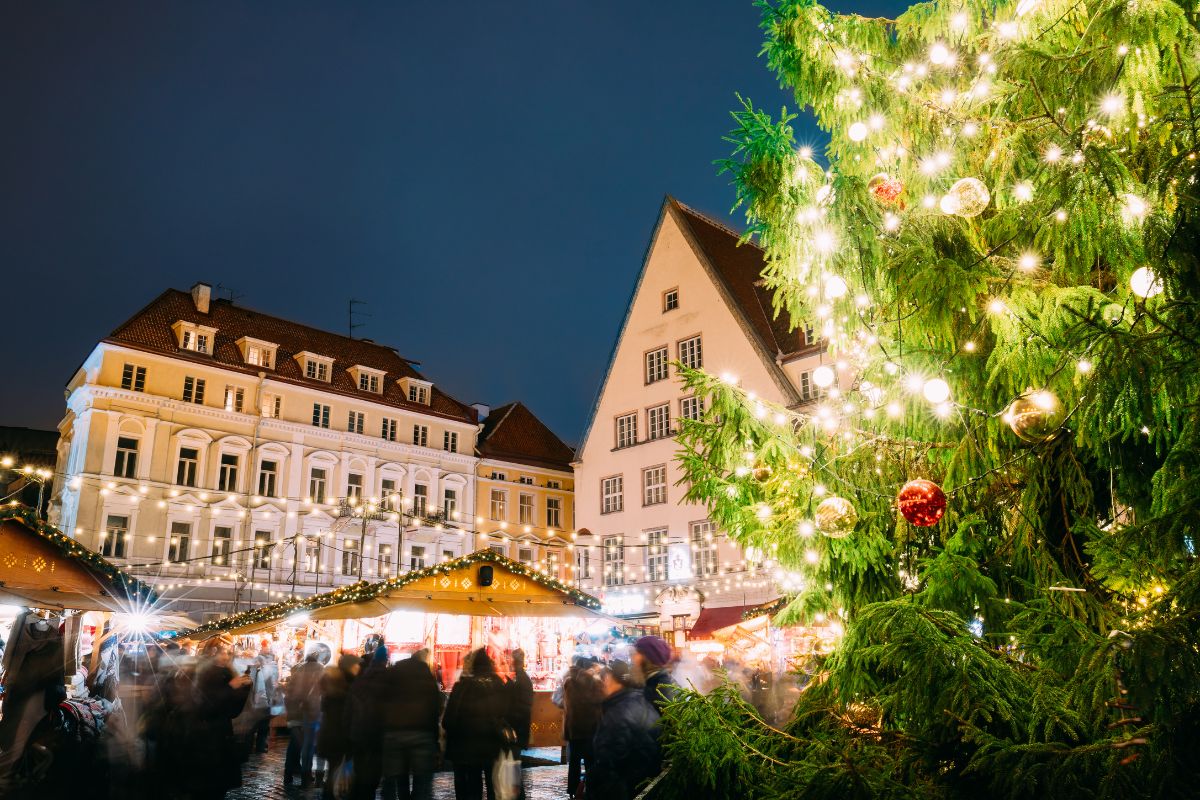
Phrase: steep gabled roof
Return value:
(150, 330)
(513, 433)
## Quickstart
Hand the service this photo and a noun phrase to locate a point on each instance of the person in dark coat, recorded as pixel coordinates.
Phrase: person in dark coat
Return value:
(366, 725)
(213, 752)
(627, 751)
(302, 699)
(475, 721)
(333, 734)
(582, 695)
(651, 655)
(520, 690)
(412, 706)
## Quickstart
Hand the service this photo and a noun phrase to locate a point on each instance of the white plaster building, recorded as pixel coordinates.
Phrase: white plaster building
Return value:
(698, 300)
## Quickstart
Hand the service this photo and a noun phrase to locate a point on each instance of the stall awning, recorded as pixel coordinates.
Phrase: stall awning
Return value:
(43, 568)
(714, 619)
(453, 587)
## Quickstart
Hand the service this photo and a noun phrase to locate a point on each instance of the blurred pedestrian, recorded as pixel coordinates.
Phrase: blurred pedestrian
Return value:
(651, 655)
(333, 734)
(366, 723)
(264, 673)
(214, 758)
(520, 708)
(302, 700)
(582, 695)
(412, 706)
(627, 752)
(475, 722)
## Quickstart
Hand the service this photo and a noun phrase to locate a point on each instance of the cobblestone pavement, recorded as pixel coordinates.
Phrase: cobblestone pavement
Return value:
(262, 779)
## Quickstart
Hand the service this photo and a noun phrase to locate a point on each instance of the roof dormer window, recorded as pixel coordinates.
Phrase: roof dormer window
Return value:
(257, 353)
(197, 338)
(417, 390)
(368, 379)
(316, 367)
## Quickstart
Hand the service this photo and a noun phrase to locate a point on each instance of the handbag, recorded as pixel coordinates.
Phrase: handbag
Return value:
(506, 776)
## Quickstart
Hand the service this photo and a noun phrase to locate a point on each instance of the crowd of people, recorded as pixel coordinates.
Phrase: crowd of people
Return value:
(359, 727)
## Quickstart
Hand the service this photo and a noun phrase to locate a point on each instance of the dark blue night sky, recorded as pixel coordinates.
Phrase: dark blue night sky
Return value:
(486, 175)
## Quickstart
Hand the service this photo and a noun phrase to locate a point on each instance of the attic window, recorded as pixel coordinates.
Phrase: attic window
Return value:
(417, 391)
(316, 367)
(670, 300)
(368, 380)
(257, 352)
(197, 338)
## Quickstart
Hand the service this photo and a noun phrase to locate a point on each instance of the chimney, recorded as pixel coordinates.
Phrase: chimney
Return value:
(201, 295)
(482, 409)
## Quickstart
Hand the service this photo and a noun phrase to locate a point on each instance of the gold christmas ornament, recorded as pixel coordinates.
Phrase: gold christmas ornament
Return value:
(968, 197)
(836, 517)
(761, 473)
(1035, 416)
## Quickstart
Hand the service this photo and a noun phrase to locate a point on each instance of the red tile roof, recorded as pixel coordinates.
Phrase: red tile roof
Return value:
(150, 330)
(740, 266)
(512, 433)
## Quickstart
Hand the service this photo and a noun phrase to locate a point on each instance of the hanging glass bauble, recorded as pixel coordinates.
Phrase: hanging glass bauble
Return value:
(921, 502)
(761, 473)
(1035, 416)
(836, 517)
(886, 190)
(968, 197)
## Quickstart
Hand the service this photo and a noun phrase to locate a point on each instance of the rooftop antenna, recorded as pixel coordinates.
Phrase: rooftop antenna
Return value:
(351, 312)
(232, 296)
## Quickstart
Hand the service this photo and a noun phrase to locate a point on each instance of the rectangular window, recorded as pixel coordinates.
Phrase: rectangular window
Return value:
(193, 390)
(525, 479)
(808, 389)
(267, 475)
(654, 485)
(670, 300)
(368, 383)
(125, 465)
(354, 486)
(656, 365)
(583, 563)
(312, 556)
(222, 538)
(421, 500)
(234, 397)
(553, 484)
(316, 485)
(499, 476)
(116, 535)
(690, 353)
(356, 421)
(810, 335)
(450, 441)
(626, 430)
(258, 356)
(525, 509)
(421, 435)
(418, 394)
(691, 408)
(317, 370)
(272, 405)
(448, 555)
(499, 504)
(497, 548)
(388, 429)
(320, 415)
(450, 503)
(614, 560)
(387, 490)
(227, 479)
(350, 556)
(658, 421)
(133, 378)
(181, 541)
(385, 559)
(201, 342)
(612, 494)
(262, 549)
(704, 548)
(553, 512)
(525, 555)
(656, 555)
(189, 463)
(416, 557)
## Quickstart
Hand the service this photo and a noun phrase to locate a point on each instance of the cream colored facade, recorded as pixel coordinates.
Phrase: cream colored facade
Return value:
(527, 513)
(635, 533)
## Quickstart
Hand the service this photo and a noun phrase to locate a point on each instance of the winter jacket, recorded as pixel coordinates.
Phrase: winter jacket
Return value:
(333, 736)
(626, 749)
(581, 697)
(214, 756)
(475, 720)
(660, 688)
(410, 697)
(302, 697)
(520, 706)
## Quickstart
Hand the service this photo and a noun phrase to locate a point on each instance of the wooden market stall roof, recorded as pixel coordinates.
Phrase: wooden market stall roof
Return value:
(452, 587)
(42, 567)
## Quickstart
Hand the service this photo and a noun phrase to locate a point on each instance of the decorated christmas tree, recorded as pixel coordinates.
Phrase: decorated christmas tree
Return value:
(998, 493)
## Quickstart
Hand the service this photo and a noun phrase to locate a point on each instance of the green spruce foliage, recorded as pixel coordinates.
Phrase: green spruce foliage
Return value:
(1042, 639)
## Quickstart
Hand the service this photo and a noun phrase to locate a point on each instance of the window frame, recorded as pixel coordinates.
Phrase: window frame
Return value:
(657, 363)
(526, 511)
(420, 435)
(658, 488)
(622, 430)
(119, 540)
(670, 299)
(125, 460)
(617, 494)
(658, 542)
(320, 416)
(658, 428)
(695, 355)
(180, 542)
(498, 504)
(181, 467)
(554, 520)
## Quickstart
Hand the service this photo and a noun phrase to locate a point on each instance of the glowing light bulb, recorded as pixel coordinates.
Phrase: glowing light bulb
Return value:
(1084, 366)
(969, 347)
(824, 241)
(959, 21)
(1133, 208)
(1029, 261)
(1023, 191)
(1060, 216)
(812, 556)
(936, 390)
(997, 306)
(1052, 154)
(890, 222)
(823, 376)
(970, 129)
(857, 131)
(939, 54)
(835, 287)
(894, 410)
(1145, 283)
(1112, 104)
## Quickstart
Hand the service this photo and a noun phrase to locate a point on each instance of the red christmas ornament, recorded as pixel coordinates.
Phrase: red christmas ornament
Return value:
(921, 502)
(886, 190)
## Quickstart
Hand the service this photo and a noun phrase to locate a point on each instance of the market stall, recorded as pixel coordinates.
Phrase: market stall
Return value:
(479, 600)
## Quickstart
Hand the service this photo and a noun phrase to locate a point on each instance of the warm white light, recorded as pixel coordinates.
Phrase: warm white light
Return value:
(997, 306)
(1134, 208)
(1053, 153)
(959, 21)
(835, 287)
(1060, 216)
(823, 377)
(824, 241)
(936, 390)
(894, 410)
(949, 204)
(857, 131)
(812, 556)
(1112, 104)
(890, 222)
(970, 129)
(1029, 261)
(1025, 6)
(1145, 283)
(763, 512)
(969, 347)
(1084, 366)
(1023, 191)
(939, 54)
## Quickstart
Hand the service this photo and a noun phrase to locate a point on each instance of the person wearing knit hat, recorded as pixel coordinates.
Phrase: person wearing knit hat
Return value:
(651, 655)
